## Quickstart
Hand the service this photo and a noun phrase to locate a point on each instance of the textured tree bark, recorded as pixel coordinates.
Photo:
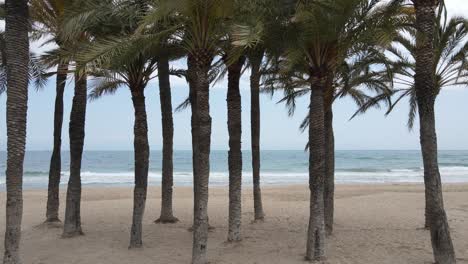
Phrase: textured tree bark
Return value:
(141, 152)
(55, 169)
(167, 215)
(316, 230)
(235, 151)
(72, 225)
(17, 53)
(198, 69)
(256, 62)
(329, 189)
(426, 93)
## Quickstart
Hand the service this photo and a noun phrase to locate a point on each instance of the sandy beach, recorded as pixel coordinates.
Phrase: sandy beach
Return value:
(374, 224)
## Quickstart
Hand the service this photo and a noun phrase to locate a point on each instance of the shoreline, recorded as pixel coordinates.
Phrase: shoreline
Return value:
(244, 186)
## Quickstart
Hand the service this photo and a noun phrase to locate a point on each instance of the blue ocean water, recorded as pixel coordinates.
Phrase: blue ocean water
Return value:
(109, 168)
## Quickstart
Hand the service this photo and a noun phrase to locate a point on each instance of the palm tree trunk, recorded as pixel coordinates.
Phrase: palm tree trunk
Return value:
(256, 62)
(72, 225)
(316, 230)
(167, 215)
(198, 68)
(235, 152)
(329, 190)
(141, 149)
(17, 52)
(426, 93)
(56, 160)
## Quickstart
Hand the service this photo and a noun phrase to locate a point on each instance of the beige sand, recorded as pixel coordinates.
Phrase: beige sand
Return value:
(374, 224)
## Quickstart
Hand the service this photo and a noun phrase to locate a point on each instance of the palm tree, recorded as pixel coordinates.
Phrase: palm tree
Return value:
(55, 23)
(135, 75)
(450, 68)
(48, 16)
(157, 41)
(258, 31)
(255, 59)
(201, 29)
(117, 58)
(426, 92)
(321, 37)
(357, 78)
(17, 58)
(438, 59)
(234, 107)
(167, 215)
(75, 40)
(169, 50)
(72, 224)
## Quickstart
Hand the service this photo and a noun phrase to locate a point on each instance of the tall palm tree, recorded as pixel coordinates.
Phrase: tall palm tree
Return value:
(118, 59)
(425, 87)
(167, 215)
(255, 59)
(48, 17)
(155, 41)
(321, 37)
(168, 50)
(17, 59)
(234, 107)
(135, 75)
(438, 59)
(450, 67)
(75, 40)
(72, 223)
(363, 77)
(201, 29)
(258, 31)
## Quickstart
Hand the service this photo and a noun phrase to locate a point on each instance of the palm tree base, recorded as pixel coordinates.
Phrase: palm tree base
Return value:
(234, 239)
(11, 260)
(210, 228)
(315, 260)
(52, 220)
(135, 246)
(51, 223)
(72, 234)
(258, 220)
(167, 220)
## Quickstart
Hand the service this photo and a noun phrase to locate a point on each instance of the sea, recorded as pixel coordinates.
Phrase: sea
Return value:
(278, 167)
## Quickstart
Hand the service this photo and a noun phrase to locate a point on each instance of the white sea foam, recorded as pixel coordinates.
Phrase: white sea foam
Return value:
(452, 174)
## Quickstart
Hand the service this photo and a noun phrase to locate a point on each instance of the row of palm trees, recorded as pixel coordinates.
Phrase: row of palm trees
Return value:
(369, 50)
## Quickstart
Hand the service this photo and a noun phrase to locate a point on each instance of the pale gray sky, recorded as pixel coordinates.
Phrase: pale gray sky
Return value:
(110, 119)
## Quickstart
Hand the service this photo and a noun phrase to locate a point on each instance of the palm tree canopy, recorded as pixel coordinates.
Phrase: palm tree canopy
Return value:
(47, 18)
(451, 67)
(113, 55)
(339, 41)
(325, 33)
(199, 25)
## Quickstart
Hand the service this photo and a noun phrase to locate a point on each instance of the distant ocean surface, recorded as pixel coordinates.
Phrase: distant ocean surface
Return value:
(115, 168)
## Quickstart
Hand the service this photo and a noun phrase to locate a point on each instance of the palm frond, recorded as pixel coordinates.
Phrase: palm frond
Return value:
(182, 106)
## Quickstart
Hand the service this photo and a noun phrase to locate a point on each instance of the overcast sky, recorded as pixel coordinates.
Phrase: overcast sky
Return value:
(109, 124)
